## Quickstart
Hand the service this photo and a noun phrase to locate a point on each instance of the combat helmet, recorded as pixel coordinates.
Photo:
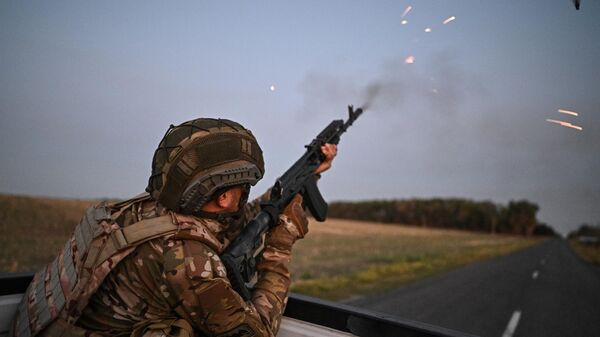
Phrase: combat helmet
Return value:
(200, 158)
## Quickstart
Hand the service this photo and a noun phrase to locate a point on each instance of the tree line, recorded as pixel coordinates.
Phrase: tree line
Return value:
(517, 217)
(586, 230)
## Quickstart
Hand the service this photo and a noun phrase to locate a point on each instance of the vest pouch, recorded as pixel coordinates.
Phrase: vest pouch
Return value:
(60, 291)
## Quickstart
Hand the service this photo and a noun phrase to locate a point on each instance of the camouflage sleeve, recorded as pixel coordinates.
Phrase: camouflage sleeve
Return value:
(195, 273)
(197, 281)
(271, 290)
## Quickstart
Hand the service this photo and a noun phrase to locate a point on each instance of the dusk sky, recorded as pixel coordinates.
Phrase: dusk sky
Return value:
(87, 90)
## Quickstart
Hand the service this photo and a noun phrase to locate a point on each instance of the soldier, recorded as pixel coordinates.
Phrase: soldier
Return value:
(150, 266)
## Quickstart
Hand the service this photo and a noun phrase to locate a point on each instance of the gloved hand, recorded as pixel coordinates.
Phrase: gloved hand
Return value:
(293, 225)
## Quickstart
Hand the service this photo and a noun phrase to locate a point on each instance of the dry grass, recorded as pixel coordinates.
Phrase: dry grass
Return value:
(33, 229)
(589, 252)
(342, 258)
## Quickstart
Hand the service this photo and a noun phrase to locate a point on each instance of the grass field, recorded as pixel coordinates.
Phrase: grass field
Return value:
(33, 229)
(588, 252)
(337, 259)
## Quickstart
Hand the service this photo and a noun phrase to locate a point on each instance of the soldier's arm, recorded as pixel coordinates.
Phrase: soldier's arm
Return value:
(201, 293)
(271, 290)
(197, 281)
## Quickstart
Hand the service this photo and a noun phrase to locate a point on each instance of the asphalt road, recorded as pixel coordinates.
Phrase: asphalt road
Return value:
(545, 291)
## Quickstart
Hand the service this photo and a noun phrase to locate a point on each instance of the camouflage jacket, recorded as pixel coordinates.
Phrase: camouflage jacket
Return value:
(176, 284)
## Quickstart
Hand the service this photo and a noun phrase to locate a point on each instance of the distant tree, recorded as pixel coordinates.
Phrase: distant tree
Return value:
(491, 216)
(520, 217)
(585, 230)
(541, 229)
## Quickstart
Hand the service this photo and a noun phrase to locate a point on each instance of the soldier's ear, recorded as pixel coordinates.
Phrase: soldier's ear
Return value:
(221, 200)
(226, 199)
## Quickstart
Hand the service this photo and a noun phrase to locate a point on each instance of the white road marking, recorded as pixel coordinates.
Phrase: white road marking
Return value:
(512, 324)
(535, 274)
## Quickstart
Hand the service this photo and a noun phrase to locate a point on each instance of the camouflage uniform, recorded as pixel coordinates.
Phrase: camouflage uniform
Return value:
(180, 276)
(150, 266)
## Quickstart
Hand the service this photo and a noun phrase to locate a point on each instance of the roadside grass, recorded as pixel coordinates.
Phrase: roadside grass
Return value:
(341, 258)
(588, 252)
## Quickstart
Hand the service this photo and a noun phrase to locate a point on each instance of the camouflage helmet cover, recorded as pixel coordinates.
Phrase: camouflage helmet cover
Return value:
(197, 158)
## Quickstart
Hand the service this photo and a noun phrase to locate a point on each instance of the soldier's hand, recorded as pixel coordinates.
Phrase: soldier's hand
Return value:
(330, 151)
(293, 225)
(296, 214)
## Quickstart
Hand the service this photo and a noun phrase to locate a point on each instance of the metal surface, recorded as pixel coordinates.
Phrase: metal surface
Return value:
(8, 307)
(362, 323)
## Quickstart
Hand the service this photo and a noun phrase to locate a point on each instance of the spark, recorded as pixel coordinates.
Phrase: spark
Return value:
(435, 91)
(404, 22)
(450, 19)
(427, 30)
(272, 88)
(572, 113)
(408, 9)
(567, 124)
(409, 60)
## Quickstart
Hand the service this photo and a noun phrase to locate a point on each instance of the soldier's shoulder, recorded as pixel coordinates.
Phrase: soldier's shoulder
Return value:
(122, 203)
(138, 208)
(192, 259)
(202, 230)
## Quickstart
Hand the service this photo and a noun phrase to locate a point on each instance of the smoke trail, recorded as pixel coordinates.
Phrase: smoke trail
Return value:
(372, 91)
(442, 87)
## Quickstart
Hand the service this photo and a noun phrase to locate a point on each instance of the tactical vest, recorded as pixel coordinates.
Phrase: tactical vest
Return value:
(59, 292)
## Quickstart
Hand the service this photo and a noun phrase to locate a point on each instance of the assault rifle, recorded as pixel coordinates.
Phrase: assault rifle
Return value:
(240, 256)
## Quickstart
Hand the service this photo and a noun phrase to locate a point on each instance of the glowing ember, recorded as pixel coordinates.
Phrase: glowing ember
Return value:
(572, 113)
(450, 19)
(427, 30)
(567, 124)
(272, 88)
(406, 11)
(409, 60)
(404, 22)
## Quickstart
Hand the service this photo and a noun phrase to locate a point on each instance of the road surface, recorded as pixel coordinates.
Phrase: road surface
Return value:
(545, 291)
